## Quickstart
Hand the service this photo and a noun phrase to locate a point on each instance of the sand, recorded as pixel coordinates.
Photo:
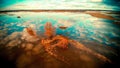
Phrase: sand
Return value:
(100, 15)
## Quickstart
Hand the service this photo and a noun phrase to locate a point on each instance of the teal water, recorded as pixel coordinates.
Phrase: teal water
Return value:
(80, 26)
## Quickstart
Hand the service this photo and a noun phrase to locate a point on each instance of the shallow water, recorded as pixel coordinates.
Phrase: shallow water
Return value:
(98, 34)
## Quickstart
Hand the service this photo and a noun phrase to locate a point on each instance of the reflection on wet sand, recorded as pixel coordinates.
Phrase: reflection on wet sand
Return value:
(29, 50)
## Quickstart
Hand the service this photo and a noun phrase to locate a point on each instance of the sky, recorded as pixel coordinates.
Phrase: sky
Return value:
(59, 4)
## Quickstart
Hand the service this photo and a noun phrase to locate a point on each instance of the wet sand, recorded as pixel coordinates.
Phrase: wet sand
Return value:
(40, 59)
(100, 15)
(22, 54)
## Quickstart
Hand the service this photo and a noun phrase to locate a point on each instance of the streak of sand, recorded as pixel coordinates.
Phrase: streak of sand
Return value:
(83, 48)
(100, 15)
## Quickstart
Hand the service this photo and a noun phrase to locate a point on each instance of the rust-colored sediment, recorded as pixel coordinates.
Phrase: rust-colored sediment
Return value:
(62, 27)
(100, 15)
(30, 31)
(49, 30)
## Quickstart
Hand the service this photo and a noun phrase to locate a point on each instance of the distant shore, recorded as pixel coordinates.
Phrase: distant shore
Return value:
(100, 15)
(95, 13)
(3, 11)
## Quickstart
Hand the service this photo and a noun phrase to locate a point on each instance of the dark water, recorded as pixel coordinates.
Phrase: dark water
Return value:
(98, 34)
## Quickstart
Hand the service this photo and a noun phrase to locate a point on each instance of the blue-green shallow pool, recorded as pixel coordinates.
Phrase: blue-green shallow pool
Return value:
(80, 26)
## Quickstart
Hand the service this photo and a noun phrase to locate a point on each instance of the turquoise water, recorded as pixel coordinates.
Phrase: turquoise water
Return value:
(80, 26)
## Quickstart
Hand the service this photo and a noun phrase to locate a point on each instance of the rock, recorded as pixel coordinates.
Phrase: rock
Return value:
(18, 17)
(62, 27)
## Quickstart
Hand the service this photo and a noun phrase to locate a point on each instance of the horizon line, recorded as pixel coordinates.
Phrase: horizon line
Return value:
(56, 10)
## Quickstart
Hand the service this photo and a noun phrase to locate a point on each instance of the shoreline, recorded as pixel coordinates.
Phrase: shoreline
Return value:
(94, 13)
(3, 11)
